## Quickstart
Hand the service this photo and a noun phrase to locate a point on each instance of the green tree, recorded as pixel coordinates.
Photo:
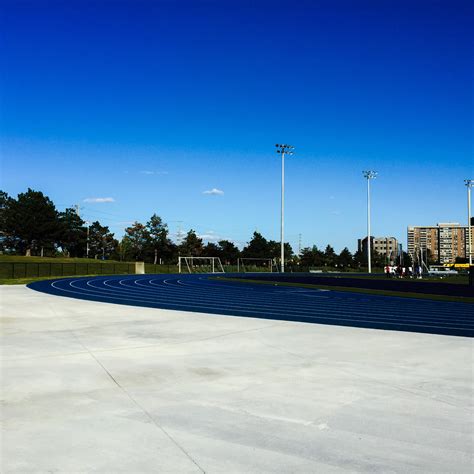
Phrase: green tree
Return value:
(138, 240)
(7, 241)
(360, 259)
(101, 241)
(159, 242)
(311, 257)
(31, 221)
(330, 256)
(192, 245)
(274, 250)
(211, 250)
(345, 258)
(258, 247)
(228, 252)
(72, 236)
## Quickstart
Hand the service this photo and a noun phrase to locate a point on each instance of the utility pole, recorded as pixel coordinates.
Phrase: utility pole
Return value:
(283, 150)
(299, 245)
(77, 208)
(469, 183)
(369, 175)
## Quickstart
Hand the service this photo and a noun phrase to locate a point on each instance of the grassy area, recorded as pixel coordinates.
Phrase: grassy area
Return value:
(402, 294)
(461, 279)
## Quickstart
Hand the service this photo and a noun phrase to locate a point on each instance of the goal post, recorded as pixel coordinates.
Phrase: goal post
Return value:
(200, 265)
(249, 264)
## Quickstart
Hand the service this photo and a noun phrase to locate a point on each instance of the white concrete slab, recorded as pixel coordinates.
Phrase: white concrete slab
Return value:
(98, 387)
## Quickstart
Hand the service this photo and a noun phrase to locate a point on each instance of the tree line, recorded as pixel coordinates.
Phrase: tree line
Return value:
(31, 225)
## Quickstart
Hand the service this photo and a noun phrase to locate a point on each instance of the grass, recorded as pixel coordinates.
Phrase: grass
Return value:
(402, 294)
(458, 279)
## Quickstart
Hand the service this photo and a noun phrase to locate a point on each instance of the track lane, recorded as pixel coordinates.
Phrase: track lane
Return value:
(198, 293)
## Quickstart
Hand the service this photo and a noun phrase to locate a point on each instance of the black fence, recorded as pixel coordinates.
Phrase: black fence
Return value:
(46, 269)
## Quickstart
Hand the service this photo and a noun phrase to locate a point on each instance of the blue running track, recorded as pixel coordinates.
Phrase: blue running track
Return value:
(200, 293)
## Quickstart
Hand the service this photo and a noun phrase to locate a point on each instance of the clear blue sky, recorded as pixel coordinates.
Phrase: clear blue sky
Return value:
(152, 103)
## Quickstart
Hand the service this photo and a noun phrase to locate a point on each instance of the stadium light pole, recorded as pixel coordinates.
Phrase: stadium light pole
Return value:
(87, 240)
(469, 183)
(369, 175)
(283, 150)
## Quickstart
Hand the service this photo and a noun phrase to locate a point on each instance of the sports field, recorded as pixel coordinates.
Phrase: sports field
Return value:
(200, 293)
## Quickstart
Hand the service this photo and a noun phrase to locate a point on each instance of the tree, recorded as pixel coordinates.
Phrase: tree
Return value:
(31, 221)
(228, 252)
(7, 241)
(191, 245)
(311, 257)
(330, 256)
(101, 241)
(137, 239)
(257, 247)
(211, 250)
(344, 259)
(161, 246)
(72, 236)
(274, 250)
(360, 259)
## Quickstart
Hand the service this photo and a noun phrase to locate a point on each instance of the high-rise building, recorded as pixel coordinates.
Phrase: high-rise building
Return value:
(386, 246)
(445, 241)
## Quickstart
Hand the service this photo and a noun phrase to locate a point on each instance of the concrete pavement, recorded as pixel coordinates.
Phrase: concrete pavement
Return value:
(108, 388)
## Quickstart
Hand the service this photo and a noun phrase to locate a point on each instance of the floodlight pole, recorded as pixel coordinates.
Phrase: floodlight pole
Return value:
(87, 240)
(369, 175)
(283, 150)
(469, 183)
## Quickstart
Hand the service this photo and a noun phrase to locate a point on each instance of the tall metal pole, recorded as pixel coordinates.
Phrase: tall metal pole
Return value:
(282, 227)
(369, 240)
(283, 150)
(469, 184)
(369, 175)
(87, 239)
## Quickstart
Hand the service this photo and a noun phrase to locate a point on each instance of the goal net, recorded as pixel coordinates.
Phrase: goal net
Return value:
(248, 264)
(200, 265)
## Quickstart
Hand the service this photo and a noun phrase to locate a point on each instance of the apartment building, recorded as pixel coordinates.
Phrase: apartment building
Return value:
(386, 246)
(445, 241)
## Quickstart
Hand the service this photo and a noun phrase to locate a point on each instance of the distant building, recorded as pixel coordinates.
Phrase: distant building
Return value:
(445, 241)
(386, 246)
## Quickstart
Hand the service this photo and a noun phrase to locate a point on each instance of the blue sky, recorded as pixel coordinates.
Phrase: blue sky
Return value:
(152, 103)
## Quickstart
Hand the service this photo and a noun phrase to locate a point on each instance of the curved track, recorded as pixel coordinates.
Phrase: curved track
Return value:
(199, 293)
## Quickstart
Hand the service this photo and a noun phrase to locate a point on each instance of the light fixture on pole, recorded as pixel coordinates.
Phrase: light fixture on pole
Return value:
(469, 183)
(369, 175)
(283, 150)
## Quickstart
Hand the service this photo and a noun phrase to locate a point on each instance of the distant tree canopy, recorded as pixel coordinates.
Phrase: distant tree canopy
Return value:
(31, 225)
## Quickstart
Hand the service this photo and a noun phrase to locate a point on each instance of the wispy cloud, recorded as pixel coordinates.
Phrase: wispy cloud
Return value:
(104, 199)
(210, 236)
(151, 172)
(214, 192)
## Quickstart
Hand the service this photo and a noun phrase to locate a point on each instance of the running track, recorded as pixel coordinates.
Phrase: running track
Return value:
(199, 293)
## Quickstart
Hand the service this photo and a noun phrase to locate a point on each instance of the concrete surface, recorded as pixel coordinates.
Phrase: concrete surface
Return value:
(97, 387)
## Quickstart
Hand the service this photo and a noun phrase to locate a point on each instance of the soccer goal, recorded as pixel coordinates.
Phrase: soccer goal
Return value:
(248, 264)
(200, 265)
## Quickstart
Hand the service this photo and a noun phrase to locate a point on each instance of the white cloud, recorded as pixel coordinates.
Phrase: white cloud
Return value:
(214, 192)
(105, 199)
(210, 236)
